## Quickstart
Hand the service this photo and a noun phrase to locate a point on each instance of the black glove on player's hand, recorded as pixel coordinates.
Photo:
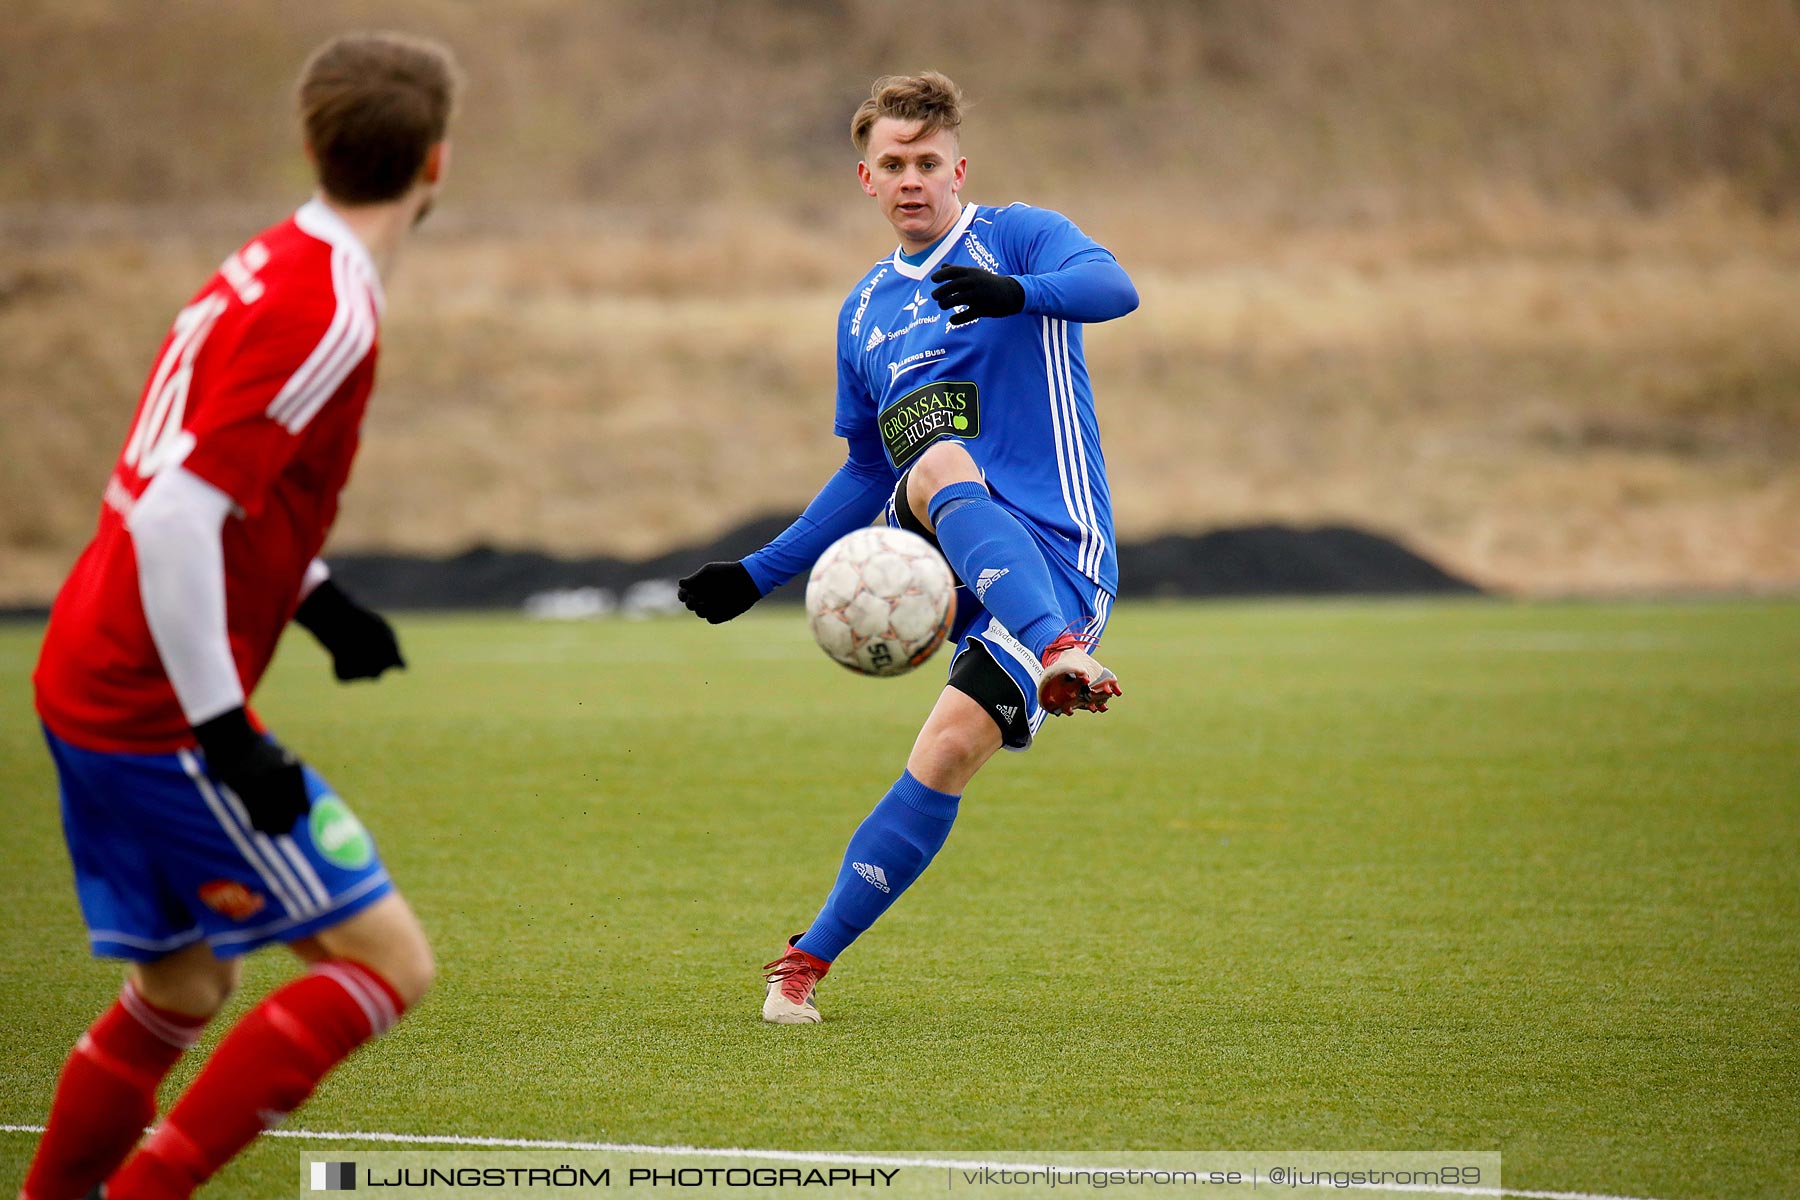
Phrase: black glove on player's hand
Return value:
(981, 293)
(361, 643)
(265, 776)
(719, 591)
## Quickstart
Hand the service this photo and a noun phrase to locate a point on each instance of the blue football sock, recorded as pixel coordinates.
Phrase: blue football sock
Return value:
(890, 849)
(995, 556)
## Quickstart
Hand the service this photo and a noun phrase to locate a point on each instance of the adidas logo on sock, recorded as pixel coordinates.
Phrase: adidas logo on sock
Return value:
(988, 579)
(872, 875)
(1009, 711)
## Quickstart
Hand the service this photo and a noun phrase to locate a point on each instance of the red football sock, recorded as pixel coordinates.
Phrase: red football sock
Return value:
(106, 1095)
(264, 1069)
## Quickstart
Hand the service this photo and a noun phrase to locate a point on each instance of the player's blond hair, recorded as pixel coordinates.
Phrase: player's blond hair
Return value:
(372, 105)
(930, 98)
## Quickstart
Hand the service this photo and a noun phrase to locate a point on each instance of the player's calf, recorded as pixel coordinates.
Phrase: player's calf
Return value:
(193, 981)
(385, 937)
(107, 1094)
(996, 558)
(889, 850)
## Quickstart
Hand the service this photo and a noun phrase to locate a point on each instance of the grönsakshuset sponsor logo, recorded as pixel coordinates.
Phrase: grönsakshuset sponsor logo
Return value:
(925, 414)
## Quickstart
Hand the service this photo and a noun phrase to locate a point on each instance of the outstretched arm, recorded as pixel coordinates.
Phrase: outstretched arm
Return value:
(850, 499)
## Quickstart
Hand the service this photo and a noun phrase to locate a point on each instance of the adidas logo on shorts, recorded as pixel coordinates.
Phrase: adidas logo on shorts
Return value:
(1009, 711)
(873, 875)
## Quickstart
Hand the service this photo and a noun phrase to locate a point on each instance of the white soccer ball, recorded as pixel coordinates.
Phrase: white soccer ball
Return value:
(880, 601)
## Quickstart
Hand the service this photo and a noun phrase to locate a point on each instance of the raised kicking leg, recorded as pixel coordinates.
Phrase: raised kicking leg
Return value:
(998, 559)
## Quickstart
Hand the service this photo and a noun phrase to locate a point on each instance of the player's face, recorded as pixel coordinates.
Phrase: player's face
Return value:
(914, 181)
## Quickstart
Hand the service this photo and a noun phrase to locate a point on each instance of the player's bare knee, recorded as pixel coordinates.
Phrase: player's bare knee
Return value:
(404, 959)
(191, 982)
(969, 744)
(409, 967)
(951, 751)
(942, 464)
(385, 937)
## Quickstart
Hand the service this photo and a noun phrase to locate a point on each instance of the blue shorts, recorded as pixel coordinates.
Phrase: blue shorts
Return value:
(165, 856)
(1085, 603)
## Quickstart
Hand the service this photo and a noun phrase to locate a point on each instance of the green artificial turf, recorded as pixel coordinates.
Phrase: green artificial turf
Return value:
(1404, 875)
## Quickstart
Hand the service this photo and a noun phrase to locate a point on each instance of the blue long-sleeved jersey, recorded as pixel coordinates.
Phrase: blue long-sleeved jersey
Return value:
(1013, 390)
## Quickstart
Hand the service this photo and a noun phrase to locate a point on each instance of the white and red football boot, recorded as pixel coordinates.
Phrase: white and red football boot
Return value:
(1072, 679)
(791, 979)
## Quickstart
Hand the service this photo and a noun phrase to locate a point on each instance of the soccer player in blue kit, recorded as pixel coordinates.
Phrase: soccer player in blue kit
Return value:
(964, 398)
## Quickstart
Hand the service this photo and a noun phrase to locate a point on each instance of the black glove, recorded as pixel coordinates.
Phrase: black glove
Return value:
(719, 591)
(981, 293)
(361, 643)
(265, 776)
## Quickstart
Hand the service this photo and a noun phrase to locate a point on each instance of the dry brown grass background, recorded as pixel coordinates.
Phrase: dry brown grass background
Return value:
(1517, 283)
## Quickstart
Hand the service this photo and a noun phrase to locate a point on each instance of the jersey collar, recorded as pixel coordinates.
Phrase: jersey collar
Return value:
(317, 219)
(943, 247)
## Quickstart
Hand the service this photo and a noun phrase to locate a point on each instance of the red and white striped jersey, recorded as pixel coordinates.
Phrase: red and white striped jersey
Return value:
(259, 389)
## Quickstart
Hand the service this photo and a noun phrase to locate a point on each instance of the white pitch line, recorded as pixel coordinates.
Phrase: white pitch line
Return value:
(818, 1156)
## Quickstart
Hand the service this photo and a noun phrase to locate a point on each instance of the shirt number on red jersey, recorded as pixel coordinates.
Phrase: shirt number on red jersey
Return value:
(158, 440)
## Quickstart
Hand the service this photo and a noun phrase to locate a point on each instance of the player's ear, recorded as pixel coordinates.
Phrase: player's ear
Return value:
(867, 177)
(961, 173)
(437, 161)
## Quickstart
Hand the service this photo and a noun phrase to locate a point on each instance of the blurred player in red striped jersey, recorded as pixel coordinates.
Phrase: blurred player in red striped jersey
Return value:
(195, 835)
